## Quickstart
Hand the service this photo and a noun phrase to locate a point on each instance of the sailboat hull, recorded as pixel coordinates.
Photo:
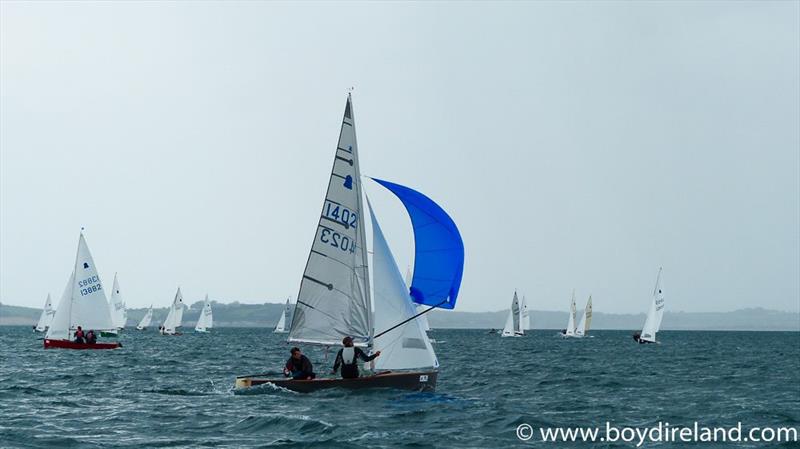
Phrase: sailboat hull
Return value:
(641, 341)
(67, 344)
(415, 381)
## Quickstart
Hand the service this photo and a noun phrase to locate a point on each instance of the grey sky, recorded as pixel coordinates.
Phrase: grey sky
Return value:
(576, 145)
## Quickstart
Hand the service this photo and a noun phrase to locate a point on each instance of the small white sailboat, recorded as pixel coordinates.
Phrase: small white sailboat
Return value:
(335, 298)
(570, 330)
(118, 312)
(146, 319)
(586, 320)
(526, 315)
(653, 322)
(174, 317)
(280, 328)
(48, 312)
(83, 304)
(513, 327)
(206, 320)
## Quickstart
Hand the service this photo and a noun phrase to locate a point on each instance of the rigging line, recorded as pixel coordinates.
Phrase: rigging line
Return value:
(409, 319)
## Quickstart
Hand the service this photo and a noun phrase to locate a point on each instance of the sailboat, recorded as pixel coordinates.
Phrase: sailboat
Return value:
(336, 299)
(654, 315)
(46, 317)
(83, 303)
(526, 315)
(280, 328)
(174, 317)
(513, 327)
(146, 319)
(119, 315)
(586, 320)
(570, 330)
(206, 320)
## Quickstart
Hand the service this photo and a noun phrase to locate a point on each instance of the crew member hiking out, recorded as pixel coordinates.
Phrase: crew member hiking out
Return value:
(347, 358)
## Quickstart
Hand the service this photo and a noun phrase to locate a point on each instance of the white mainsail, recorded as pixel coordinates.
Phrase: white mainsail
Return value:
(526, 315)
(513, 322)
(570, 331)
(175, 315)
(206, 320)
(655, 314)
(406, 346)
(47, 315)
(117, 305)
(84, 301)
(334, 298)
(146, 319)
(586, 320)
(281, 326)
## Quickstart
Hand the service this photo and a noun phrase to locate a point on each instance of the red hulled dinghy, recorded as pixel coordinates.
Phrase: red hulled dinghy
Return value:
(67, 344)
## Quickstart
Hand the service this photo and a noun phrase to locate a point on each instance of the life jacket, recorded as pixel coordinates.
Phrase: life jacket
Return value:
(349, 356)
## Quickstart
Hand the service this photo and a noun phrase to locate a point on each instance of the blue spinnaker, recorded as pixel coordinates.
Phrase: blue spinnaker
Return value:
(438, 249)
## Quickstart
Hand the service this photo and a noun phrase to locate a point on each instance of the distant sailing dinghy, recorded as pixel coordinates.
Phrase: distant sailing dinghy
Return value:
(513, 327)
(206, 321)
(174, 317)
(118, 312)
(335, 298)
(280, 328)
(82, 304)
(526, 315)
(46, 317)
(570, 330)
(586, 321)
(146, 319)
(653, 322)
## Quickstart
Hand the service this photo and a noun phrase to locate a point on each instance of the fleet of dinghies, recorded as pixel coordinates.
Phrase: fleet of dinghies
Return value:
(338, 298)
(345, 291)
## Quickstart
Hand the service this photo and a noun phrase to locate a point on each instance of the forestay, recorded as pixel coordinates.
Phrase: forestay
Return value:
(438, 249)
(47, 315)
(406, 346)
(84, 303)
(333, 301)
(655, 314)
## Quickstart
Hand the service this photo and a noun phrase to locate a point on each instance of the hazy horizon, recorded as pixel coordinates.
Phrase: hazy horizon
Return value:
(576, 145)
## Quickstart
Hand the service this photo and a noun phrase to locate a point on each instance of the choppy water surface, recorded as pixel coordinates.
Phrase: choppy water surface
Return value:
(177, 391)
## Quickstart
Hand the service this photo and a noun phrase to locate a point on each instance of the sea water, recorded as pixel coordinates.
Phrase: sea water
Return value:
(177, 391)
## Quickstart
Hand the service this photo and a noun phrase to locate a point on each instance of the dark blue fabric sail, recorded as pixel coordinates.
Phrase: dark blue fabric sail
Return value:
(438, 249)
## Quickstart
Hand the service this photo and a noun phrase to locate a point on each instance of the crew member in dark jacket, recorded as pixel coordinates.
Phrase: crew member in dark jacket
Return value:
(347, 358)
(298, 366)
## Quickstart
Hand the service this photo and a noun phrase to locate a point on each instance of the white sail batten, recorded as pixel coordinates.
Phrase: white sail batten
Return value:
(281, 326)
(406, 346)
(206, 319)
(175, 316)
(334, 297)
(117, 305)
(47, 315)
(146, 319)
(653, 322)
(586, 320)
(571, 322)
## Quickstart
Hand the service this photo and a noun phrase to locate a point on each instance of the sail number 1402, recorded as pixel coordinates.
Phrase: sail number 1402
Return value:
(340, 214)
